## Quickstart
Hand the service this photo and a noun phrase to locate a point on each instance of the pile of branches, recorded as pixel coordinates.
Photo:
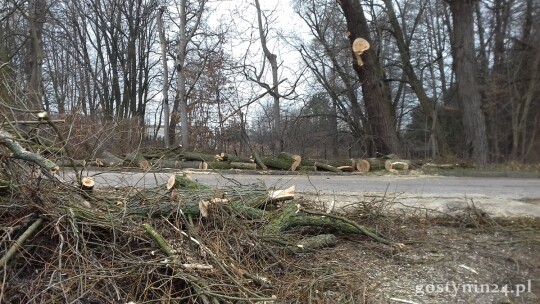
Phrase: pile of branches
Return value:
(67, 241)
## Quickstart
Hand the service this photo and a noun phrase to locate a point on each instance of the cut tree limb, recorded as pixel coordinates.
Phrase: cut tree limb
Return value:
(326, 167)
(318, 241)
(19, 152)
(259, 161)
(20, 241)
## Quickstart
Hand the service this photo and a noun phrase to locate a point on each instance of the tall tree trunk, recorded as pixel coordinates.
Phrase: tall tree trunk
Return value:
(180, 111)
(166, 111)
(272, 58)
(468, 92)
(38, 10)
(381, 116)
(416, 83)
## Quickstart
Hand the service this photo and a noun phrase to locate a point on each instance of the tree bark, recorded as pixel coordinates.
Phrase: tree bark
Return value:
(468, 92)
(381, 116)
(284, 161)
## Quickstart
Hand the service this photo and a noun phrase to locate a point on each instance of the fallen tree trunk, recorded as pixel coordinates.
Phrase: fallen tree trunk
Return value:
(243, 166)
(342, 162)
(175, 164)
(137, 159)
(217, 165)
(376, 163)
(284, 161)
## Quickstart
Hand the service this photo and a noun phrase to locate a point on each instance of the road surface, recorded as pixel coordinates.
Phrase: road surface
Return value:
(500, 196)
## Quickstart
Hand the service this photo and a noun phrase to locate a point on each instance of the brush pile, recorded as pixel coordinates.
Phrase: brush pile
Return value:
(68, 241)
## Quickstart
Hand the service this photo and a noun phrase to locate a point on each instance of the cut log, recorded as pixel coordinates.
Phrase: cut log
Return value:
(184, 181)
(243, 166)
(176, 164)
(326, 167)
(346, 168)
(281, 195)
(197, 156)
(217, 165)
(342, 162)
(137, 159)
(87, 184)
(236, 159)
(363, 166)
(108, 162)
(284, 161)
(392, 165)
(376, 163)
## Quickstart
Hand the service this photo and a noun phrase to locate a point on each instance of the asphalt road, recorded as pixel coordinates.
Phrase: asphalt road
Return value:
(501, 195)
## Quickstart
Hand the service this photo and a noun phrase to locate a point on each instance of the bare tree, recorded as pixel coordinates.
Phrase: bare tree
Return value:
(274, 89)
(428, 104)
(165, 78)
(327, 56)
(185, 35)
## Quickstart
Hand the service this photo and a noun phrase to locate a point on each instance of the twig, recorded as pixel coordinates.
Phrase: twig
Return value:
(13, 249)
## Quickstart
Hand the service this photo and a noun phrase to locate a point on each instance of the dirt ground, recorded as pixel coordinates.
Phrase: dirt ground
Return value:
(464, 257)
